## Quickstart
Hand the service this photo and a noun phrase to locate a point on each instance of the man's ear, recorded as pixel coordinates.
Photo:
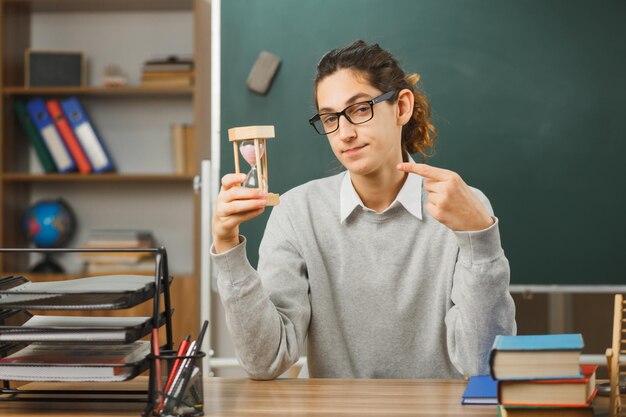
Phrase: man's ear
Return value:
(406, 100)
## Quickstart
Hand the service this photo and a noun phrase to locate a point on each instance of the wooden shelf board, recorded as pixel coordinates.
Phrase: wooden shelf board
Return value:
(99, 91)
(75, 177)
(104, 6)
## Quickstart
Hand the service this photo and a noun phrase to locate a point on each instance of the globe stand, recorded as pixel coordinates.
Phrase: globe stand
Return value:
(48, 266)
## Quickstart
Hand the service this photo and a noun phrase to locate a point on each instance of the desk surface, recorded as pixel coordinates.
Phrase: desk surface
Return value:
(230, 397)
(333, 397)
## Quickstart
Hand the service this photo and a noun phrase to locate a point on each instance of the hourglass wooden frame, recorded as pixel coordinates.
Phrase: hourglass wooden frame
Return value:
(258, 134)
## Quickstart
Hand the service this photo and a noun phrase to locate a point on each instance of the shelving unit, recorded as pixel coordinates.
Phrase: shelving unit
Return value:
(20, 183)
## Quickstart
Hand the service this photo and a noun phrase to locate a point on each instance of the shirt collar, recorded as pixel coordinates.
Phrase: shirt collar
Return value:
(410, 196)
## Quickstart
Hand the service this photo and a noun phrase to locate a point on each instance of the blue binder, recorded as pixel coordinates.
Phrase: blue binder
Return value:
(87, 135)
(50, 135)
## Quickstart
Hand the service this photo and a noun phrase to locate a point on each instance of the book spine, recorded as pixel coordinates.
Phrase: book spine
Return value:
(35, 139)
(87, 135)
(191, 150)
(67, 134)
(51, 136)
(178, 149)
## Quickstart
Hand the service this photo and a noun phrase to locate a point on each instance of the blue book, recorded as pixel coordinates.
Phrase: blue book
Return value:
(545, 356)
(480, 390)
(87, 135)
(51, 137)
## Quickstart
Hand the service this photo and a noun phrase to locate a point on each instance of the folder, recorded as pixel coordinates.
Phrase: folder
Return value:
(67, 134)
(87, 135)
(51, 136)
(35, 139)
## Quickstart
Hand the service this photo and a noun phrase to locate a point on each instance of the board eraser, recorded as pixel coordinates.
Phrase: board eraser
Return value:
(263, 72)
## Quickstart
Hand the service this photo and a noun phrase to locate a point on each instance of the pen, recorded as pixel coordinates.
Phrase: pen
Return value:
(179, 374)
(188, 364)
(173, 371)
(181, 350)
(205, 325)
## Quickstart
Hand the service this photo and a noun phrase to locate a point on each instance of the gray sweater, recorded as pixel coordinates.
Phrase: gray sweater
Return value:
(381, 295)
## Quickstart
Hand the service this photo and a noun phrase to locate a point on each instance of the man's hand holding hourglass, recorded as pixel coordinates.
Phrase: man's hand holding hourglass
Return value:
(235, 205)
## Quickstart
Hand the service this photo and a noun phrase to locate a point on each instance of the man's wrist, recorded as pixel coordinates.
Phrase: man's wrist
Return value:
(223, 245)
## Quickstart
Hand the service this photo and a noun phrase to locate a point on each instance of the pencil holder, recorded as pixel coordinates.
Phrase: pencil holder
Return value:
(179, 390)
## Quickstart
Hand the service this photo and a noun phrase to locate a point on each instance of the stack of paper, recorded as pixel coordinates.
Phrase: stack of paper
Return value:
(57, 362)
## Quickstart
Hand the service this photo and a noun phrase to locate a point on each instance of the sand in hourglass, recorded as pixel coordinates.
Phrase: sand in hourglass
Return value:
(247, 151)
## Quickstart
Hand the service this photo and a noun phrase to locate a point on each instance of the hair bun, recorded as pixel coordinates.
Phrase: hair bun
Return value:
(413, 79)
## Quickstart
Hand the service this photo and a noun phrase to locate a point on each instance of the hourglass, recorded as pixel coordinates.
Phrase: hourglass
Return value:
(250, 142)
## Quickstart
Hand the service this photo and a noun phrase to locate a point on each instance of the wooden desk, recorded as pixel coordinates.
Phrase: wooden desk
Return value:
(240, 397)
(338, 397)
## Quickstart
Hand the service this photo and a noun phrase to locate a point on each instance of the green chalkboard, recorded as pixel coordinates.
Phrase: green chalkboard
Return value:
(529, 98)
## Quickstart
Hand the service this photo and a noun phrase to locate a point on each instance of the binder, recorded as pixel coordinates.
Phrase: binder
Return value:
(87, 135)
(35, 139)
(51, 137)
(67, 134)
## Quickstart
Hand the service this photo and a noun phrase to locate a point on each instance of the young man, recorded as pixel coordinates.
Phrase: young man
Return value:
(391, 269)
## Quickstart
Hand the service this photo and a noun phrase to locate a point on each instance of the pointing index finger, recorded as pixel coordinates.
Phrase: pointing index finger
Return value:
(424, 170)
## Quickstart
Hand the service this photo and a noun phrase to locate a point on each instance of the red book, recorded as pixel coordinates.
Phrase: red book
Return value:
(566, 392)
(67, 133)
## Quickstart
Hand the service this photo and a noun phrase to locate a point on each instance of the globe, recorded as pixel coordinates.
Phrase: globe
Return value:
(49, 223)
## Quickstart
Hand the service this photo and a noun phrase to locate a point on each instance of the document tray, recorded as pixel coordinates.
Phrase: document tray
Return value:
(76, 329)
(54, 362)
(107, 292)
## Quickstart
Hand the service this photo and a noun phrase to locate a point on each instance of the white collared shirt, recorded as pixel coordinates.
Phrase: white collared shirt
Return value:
(410, 197)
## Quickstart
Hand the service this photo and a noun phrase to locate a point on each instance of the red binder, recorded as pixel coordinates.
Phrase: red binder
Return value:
(67, 133)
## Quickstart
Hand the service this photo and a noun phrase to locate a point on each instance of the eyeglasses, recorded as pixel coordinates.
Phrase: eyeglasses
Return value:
(357, 113)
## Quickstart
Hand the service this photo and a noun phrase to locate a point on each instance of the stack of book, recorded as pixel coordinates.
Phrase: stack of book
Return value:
(172, 71)
(63, 136)
(541, 375)
(118, 261)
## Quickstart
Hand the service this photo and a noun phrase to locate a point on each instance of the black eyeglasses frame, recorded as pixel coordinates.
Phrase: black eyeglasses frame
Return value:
(383, 97)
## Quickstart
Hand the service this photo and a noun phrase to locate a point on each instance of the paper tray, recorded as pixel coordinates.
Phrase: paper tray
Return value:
(91, 293)
(50, 362)
(84, 373)
(75, 329)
